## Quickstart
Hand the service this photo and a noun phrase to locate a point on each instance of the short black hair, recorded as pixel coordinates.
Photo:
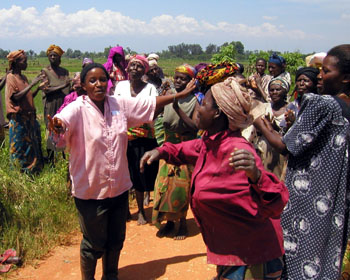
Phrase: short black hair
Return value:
(89, 67)
(261, 59)
(342, 52)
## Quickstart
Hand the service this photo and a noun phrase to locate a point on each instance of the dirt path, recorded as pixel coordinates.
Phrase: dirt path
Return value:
(144, 257)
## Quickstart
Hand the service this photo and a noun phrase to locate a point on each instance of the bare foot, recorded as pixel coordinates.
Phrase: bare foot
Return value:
(168, 228)
(182, 232)
(141, 220)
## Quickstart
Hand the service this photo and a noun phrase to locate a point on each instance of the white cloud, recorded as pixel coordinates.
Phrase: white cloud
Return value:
(28, 23)
(269, 17)
(345, 16)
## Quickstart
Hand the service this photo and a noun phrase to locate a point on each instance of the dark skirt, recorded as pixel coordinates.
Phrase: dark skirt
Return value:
(136, 148)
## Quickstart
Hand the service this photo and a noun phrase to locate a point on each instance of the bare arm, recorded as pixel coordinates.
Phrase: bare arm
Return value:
(3, 82)
(272, 136)
(257, 88)
(161, 101)
(18, 95)
(50, 89)
(190, 122)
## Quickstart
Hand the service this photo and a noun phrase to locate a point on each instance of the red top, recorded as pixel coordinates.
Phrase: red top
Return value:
(239, 221)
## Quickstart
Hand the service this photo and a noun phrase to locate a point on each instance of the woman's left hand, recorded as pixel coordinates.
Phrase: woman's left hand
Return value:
(245, 160)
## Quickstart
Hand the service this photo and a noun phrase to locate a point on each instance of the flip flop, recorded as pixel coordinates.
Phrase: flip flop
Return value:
(7, 254)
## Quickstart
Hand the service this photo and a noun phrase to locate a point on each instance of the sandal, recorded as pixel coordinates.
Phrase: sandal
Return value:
(4, 258)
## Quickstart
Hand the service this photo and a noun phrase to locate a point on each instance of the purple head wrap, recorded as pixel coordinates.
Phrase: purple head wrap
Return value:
(109, 64)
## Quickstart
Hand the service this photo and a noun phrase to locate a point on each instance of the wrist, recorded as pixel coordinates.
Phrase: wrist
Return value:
(256, 176)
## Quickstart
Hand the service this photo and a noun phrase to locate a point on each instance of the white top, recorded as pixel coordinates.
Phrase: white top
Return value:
(123, 89)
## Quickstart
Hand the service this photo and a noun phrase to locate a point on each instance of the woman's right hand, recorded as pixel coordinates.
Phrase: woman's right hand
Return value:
(55, 125)
(148, 158)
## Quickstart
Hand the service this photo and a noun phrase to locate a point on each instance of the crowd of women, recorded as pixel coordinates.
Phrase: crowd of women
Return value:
(263, 166)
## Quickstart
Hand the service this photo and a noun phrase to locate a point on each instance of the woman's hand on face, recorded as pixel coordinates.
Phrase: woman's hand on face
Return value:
(55, 125)
(148, 158)
(245, 160)
(189, 88)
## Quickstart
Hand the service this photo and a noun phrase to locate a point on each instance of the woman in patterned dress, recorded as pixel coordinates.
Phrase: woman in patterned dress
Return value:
(24, 129)
(316, 219)
(171, 189)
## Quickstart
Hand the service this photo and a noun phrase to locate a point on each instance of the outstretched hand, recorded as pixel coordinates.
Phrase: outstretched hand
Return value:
(148, 158)
(245, 160)
(55, 125)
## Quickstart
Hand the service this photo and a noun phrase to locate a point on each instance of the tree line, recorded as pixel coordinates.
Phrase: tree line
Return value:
(229, 51)
(179, 51)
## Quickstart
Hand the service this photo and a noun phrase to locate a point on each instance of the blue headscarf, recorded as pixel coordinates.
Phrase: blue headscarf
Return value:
(277, 59)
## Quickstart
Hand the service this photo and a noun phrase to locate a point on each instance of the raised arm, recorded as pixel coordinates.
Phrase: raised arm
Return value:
(161, 101)
(18, 95)
(190, 122)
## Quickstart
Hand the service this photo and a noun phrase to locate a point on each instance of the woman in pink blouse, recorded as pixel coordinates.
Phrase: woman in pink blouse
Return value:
(94, 127)
(237, 206)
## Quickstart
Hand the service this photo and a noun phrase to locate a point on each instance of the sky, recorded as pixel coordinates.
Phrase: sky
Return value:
(153, 25)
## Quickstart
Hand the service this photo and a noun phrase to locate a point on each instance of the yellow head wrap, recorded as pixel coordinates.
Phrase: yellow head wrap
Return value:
(55, 49)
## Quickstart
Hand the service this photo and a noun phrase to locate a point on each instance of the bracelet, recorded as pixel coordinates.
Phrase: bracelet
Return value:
(174, 98)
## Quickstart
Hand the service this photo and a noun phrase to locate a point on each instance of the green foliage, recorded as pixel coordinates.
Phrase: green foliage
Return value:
(36, 212)
(226, 54)
(294, 60)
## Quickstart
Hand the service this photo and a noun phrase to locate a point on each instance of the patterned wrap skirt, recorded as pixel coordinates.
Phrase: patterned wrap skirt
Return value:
(25, 142)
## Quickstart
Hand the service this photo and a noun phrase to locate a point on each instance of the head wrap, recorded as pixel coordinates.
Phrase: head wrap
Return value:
(142, 59)
(216, 73)
(280, 81)
(112, 52)
(200, 66)
(235, 101)
(277, 59)
(309, 72)
(14, 55)
(186, 69)
(152, 56)
(89, 67)
(56, 49)
(315, 60)
(87, 60)
(240, 67)
(152, 62)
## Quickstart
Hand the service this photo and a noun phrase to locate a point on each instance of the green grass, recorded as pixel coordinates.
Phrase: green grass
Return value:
(37, 212)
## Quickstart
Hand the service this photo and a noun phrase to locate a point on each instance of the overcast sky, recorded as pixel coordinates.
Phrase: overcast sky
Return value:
(153, 25)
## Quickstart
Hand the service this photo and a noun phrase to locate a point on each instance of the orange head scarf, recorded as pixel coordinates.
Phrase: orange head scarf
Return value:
(56, 49)
(13, 56)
